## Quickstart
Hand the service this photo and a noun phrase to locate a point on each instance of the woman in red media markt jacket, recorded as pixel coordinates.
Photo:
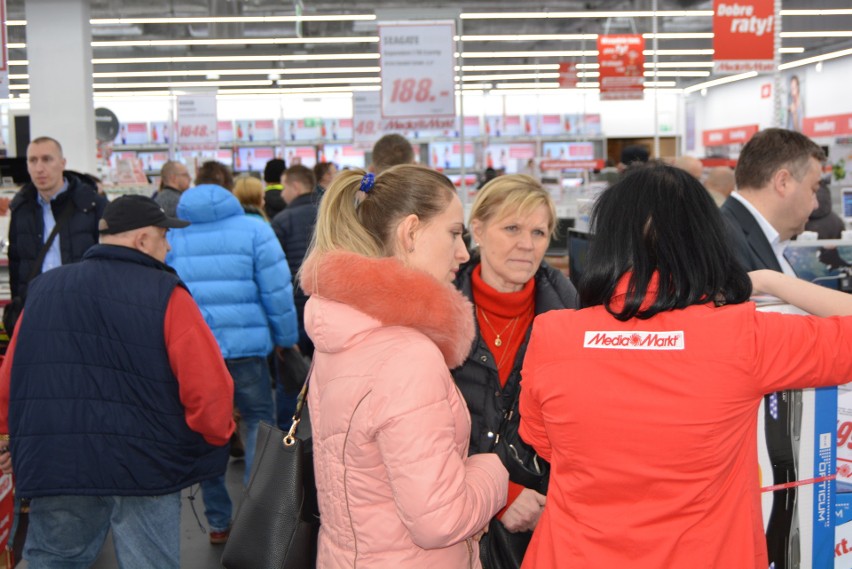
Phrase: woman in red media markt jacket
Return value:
(645, 402)
(390, 430)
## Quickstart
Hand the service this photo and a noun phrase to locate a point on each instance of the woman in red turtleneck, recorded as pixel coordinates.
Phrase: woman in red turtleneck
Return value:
(511, 223)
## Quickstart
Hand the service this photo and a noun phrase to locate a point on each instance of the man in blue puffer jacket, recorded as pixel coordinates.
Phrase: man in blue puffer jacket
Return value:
(237, 273)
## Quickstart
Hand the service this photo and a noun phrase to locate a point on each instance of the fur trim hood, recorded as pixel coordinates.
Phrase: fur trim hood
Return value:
(395, 295)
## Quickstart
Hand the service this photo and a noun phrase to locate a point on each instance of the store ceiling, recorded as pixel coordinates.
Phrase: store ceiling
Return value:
(341, 54)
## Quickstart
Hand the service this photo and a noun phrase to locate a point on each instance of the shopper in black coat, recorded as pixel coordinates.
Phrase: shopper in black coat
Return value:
(26, 226)
(511, 223)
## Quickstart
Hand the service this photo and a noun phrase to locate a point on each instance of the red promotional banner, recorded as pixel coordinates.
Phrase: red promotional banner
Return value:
(833, 125)
(567, 75)
(622, 65)
(744, 36)
(725, 136)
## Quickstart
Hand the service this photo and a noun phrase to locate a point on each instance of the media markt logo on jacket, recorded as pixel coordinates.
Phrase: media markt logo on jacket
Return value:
(637, 340)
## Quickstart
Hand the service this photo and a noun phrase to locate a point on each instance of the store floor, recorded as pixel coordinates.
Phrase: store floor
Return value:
(195, 549)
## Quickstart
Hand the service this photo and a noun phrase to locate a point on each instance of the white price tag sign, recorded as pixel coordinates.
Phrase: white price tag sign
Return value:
(367, 113)
(197, 126)
(417, 69)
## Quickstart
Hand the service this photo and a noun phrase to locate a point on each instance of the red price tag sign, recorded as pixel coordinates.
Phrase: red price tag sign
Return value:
(417, 69)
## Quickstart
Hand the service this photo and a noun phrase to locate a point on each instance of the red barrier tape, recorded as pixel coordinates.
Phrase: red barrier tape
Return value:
(798, 483)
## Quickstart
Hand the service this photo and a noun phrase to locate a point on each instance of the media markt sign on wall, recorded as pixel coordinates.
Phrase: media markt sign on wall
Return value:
(417, 69)
(744, 36)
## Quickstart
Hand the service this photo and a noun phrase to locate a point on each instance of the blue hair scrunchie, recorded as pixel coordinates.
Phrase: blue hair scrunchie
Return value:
(367, 182)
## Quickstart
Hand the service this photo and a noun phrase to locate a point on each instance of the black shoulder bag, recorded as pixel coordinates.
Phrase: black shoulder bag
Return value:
(500, 548)
(12, 311)
(277, 523)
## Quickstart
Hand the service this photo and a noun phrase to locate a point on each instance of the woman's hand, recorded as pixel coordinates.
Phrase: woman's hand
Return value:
(524, 512)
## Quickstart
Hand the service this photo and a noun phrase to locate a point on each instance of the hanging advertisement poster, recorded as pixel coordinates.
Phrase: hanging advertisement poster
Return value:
(197, 125)
(622, 66)
(368, 125)
(744, 36)
(417, 69)
(567, 75)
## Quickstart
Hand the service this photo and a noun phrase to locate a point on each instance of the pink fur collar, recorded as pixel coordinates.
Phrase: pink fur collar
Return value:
(395, 295)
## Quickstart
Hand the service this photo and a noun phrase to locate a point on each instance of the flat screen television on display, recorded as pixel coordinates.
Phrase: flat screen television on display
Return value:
(578, 250)
(846, 203)
(15, 168)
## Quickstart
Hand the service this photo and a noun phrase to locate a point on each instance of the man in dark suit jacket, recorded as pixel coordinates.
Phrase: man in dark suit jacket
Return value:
(777, 177)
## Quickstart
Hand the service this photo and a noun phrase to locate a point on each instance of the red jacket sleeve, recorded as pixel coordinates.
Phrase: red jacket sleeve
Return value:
(6, 380)
(531, 428)
(206, 387)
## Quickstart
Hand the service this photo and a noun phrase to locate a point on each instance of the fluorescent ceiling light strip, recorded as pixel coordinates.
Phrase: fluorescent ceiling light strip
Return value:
(235, 19)
(815, 59)
(531, 37)
(235, 41)
(826, 34)
(182, 84)
(676, 74)
(464, 16)
(507, 76)
(205, 72)
(670, 64)
(792, 50)
(679, 52)
(553, 85)
(531, 67)
(221, 58)
(584, 14)
(831, 12)
(221, 20)
(328, 80)
(488, 54)
(680, 36)
(722, 81)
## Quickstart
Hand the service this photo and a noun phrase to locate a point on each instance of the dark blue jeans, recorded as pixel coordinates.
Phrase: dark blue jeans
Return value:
(69, 531)
(253, 397)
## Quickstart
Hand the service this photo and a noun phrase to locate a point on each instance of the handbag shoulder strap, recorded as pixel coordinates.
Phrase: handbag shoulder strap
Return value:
(290, 438)
(64, 216)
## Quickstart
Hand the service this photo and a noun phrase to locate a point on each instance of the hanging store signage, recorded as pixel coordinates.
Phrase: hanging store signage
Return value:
(622, 66)
(567, 75)
(197, 125)
(833, 125)
(744, 36)
(417, 69)
(368, 125)
(726, 136)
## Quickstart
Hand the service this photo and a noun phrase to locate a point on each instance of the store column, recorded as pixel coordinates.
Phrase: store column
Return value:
(59, 49)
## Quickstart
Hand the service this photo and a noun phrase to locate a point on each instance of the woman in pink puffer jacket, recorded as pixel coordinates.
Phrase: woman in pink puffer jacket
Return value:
(390, 429)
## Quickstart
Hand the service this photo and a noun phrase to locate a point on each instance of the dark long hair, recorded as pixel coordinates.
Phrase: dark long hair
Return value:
(660, 220)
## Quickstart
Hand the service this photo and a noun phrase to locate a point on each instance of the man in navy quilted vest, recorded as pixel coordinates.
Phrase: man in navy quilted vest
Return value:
(115, 396)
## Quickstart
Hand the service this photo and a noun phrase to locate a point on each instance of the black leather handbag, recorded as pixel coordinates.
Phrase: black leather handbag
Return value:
(524, 465)
(499, 548)
(277, 523)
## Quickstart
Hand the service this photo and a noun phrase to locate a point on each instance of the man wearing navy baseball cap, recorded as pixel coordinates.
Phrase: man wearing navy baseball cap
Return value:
(113, 397)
